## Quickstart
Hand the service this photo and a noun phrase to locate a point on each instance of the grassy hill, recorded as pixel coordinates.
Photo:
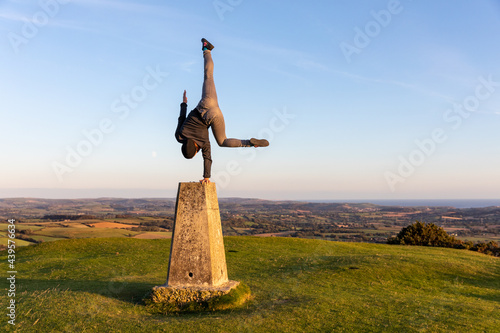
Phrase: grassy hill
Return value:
(96, 285)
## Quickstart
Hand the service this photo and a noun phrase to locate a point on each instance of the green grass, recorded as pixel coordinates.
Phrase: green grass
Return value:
(4, 240)
(96, 285)
(477, 239)
(19, 227)
(45, 238)
(129, 220)
(62, 232)
(156, 233)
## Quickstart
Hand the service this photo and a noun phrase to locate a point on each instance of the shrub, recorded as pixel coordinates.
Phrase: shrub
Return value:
(431, 235)
(27, 238)
(423, 234)
(26, 232)
(490, 248)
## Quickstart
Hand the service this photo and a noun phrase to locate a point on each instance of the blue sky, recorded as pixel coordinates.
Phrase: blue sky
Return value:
(359, 99)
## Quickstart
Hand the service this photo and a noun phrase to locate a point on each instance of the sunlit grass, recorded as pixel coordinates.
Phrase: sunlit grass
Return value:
(298, 285)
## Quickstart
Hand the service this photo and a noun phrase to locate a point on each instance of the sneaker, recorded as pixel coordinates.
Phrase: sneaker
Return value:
(206, 45)
(259, 142)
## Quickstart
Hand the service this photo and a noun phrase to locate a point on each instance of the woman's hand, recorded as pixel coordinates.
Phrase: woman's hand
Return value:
(205, 181)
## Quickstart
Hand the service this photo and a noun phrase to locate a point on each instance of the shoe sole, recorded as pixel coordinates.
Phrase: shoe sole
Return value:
(209, 46)
(259, 143)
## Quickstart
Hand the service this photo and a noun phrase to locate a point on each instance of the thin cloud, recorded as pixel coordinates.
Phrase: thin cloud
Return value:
(115, 5)
(405, 85)
(162, 10)
(11, 16)
(187, 66)
(305, 62)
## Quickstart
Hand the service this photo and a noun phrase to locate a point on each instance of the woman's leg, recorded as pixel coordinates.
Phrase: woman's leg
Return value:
(211, 113)
(219, 132)
(208, 94)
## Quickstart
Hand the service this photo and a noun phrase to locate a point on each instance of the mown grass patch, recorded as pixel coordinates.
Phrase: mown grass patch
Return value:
(69, 232)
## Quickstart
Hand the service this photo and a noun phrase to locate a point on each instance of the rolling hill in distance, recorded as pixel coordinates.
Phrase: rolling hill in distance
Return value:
(42, 220)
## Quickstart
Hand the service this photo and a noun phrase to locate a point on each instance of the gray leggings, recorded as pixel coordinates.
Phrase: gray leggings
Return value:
(209, 107)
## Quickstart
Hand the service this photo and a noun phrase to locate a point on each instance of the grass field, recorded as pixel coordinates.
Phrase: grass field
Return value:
(19, 242)
(85, 233)
(96, 285)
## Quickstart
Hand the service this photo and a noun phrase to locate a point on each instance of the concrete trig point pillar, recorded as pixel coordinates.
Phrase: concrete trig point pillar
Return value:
(197, 273)
(197, 258)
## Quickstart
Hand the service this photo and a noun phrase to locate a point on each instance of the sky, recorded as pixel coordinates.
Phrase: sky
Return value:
(358, 99)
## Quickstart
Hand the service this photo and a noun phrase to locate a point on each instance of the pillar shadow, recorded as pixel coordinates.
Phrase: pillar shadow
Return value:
(132, 292)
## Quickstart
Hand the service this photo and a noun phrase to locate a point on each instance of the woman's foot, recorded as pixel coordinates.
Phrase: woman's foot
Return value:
(206, 45)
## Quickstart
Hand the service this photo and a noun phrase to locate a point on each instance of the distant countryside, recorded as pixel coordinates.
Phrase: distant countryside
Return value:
(45, 220)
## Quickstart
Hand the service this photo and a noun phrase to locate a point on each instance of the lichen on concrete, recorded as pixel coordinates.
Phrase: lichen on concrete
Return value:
(182, 295)
(165, 300)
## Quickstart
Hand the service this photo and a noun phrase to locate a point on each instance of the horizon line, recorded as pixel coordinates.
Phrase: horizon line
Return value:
(460, 203)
